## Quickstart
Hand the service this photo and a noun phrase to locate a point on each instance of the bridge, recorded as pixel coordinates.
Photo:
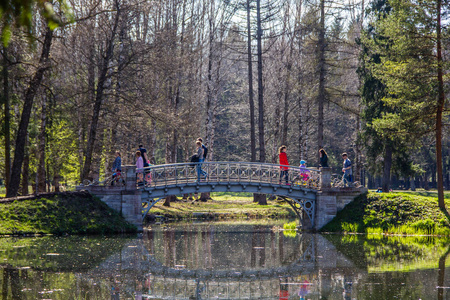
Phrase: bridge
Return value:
(309, 192)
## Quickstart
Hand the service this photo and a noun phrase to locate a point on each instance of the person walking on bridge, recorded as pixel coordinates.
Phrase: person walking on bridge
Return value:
(116, 168)
(323, 158)
(139, 168)
(347, 169)
(200, 153)
(284, 163)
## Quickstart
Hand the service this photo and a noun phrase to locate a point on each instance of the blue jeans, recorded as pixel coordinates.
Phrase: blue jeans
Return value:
(200, 172)
(285, 174)
(347, 179)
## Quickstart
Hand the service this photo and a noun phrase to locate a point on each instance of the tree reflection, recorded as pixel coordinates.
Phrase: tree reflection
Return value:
(441, 276)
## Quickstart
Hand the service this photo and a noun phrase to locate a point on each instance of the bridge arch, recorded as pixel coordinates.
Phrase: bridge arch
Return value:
(177, 179)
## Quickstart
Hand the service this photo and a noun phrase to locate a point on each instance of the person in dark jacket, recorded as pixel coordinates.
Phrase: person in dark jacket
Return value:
(323, 158)
(116, 168)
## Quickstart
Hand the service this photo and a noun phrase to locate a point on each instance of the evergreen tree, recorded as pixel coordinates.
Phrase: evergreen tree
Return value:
(410, 68)
(383, 148)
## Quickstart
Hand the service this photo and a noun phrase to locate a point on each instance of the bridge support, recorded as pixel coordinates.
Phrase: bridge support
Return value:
(329, 201)
(127, 201)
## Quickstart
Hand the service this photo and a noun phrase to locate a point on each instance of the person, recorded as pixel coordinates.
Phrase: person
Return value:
(304, 172)
(139, 167)
(117, 167)
(284, 162)
(144, 155)
(347, 169)
(323, 158)
(146, 163)
(205, 149)
(199, 153)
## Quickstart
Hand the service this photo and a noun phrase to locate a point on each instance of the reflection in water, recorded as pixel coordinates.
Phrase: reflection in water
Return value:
(211, 261)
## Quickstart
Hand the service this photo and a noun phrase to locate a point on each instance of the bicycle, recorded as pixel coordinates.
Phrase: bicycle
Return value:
(342, 182)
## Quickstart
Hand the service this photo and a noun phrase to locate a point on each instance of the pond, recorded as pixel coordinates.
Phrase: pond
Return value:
(225, 261)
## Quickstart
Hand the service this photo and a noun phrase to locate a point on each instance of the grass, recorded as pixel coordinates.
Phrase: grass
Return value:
(393, 213)
(225, 206)
(60, 213)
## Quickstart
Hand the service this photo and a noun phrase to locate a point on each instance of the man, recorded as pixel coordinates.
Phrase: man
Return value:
(146, 164)
(347, 169)
(144, 155)
(203, 158)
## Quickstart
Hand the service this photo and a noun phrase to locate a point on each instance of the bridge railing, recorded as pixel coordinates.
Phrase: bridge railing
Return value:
(232, 172)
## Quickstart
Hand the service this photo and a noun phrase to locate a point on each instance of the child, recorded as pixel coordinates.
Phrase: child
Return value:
(304, 172)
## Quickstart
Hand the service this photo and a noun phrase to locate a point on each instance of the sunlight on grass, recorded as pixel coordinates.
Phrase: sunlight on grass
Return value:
(226, 205)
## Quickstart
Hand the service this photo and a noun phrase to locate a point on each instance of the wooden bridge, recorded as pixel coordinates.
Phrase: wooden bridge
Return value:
(310, 192)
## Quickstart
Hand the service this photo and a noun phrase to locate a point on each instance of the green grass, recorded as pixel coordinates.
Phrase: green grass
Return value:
(63, 213)
(225, 206)
(394, 213)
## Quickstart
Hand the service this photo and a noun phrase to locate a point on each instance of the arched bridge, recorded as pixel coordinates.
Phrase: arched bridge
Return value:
(302, 188)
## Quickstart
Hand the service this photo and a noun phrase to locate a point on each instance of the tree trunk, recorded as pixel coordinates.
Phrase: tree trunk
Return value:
(412, 183)
(99, 98)
(251, 94)
(387, 168)
(7, 116)
(152, 144)
(26, 169)
(41, 150)
(262, 148)
(22, 132)
(448, 166)
(56, 183)
(321, 68)
(250, 87)
(262, 200)
(358, 151)
(440, 109)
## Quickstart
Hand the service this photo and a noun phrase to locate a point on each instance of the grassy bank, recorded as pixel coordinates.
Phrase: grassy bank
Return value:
(224, 206)
(393, 213)
(60, 213)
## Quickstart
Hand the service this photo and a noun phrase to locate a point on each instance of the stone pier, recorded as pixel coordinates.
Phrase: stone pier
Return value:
(329, 200)
(127, 201)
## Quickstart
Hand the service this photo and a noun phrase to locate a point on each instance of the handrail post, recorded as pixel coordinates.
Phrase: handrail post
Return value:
(325, 178)
(130, 183)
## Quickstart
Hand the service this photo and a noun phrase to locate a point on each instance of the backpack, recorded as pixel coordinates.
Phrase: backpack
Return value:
(194, 159)
(205, 151)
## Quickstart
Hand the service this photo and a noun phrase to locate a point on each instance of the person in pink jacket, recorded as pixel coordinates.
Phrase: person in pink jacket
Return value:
(139, 167)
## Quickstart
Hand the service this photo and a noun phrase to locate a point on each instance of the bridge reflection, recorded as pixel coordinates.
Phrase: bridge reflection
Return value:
(256, 262)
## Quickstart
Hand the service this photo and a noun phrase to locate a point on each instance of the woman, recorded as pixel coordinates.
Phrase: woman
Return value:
(200, 154)
(139, 167)
(323, 158)
(284, 162)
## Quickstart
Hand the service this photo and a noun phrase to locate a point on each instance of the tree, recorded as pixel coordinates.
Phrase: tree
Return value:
(35, 82)
(411, 68)
(379, 147)
(99, 95)
(19, 13)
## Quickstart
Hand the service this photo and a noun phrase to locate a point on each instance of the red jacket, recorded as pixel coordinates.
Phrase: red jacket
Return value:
(283, 160)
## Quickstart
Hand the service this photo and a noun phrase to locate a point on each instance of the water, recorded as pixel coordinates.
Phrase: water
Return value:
(225, 261)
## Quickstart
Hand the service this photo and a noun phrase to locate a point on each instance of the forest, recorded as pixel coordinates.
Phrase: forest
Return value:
(82, 79)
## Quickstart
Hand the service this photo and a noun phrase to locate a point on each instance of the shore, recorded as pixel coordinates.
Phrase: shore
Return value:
(401, 213)
(80, 213)
(60, 213)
